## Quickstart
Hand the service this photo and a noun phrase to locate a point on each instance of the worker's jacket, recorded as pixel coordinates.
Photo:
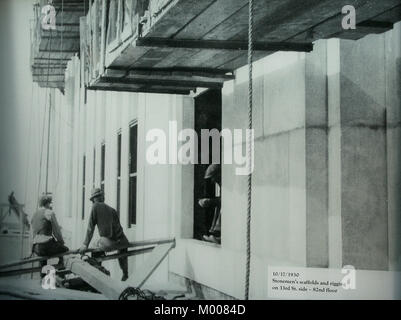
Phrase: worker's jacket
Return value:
(45, 227)
(107, 221)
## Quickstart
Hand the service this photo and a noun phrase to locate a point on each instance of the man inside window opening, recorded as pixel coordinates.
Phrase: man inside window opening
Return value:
(111, 233)
(213, 175)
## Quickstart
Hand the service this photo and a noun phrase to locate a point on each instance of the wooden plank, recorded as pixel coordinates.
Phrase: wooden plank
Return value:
(109, 287)
(206, 21)
(226, 45)
(174, 58)
(103, 37)
(238, 23)
(135, 75)
(393, 15)
(170, 72)
(65, 29)
(48, 78)
(130, 253)
(19, 272)
(243, 60)
(152, 57)
(296, 17)
(142, 86)
(126, 56)
(213, 60)
(141, 89)
(155, 258)
(366, 10)
(176, 17)
(162, 81)
(377, 25)
(57, 85)
(59, 45)
(32, 290)
(55, 55)
(44, 71)
(51, 60)
(130, 245)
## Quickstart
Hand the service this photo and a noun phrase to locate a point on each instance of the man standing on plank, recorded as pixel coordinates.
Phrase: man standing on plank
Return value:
(110, 230)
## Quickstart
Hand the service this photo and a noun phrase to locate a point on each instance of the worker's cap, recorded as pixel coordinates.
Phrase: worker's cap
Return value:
(45, 199)
(96, 192)
(212, 171)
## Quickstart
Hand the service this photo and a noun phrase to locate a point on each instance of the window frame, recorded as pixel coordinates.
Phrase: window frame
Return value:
(102, 165)
(132, 175)
(83, 187)
(119, 158)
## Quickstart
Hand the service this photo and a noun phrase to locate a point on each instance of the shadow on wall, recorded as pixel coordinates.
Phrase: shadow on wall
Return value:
(364, 186)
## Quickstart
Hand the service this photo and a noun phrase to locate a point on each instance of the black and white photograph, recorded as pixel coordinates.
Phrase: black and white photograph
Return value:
(200, 150)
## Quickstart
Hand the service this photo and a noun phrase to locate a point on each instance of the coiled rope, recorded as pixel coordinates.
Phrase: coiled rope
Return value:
(249, 151)
(138, 294)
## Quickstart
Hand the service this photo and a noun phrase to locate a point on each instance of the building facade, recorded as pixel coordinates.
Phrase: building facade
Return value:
(327, 176)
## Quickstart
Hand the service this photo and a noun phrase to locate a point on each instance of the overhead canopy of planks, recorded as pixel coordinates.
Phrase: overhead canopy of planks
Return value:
(175, 46)
(52, 49)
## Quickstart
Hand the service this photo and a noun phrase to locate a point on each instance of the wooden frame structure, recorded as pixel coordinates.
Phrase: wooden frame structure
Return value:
(52, 49)
(177, 41)
(157, 249)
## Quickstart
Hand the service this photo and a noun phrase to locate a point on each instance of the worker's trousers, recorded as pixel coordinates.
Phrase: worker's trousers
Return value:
(47, 249)
(108, 245)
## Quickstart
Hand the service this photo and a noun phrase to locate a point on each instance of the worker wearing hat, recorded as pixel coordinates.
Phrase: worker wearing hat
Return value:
(47, 237)
(213, 174)
(110, 230)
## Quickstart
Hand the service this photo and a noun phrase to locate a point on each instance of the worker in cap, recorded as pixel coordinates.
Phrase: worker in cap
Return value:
(47, 238)
(213, 175)
(213, 172)
(111, 233)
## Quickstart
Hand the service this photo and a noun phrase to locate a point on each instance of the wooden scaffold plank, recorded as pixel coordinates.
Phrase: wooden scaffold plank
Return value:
(131, 245)
(155, 258)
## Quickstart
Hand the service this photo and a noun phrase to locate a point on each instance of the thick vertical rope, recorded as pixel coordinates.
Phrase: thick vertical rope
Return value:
(249, 151)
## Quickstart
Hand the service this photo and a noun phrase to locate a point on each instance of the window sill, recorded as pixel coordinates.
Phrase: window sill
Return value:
(201, 242)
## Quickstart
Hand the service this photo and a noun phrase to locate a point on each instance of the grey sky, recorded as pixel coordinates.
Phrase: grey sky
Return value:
(20, 138)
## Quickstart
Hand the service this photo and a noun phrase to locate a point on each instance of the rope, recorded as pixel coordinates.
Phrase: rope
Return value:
(249, 151)
(138, 294)
(48, 47)
(59, 116)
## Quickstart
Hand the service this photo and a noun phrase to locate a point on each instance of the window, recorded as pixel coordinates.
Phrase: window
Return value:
(118, 171)
(208, 115)
(94, 168)
(133, 147)
(83, 187)
(102, 166)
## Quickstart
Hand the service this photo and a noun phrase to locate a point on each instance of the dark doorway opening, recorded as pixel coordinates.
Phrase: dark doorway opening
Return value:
(208, 109)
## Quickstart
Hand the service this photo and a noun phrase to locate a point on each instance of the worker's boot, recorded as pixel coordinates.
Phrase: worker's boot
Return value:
(123, 262)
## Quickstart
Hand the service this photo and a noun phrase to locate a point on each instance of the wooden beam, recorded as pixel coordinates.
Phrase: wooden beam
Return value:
(223, 45)
(130, 253)
(162, 82)
(154, 73)
(155, 258)
(49, 78)
(18, 272)
(109, 287)
(329, 28)
(176, 16)
(128, 88)
(150, 242)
